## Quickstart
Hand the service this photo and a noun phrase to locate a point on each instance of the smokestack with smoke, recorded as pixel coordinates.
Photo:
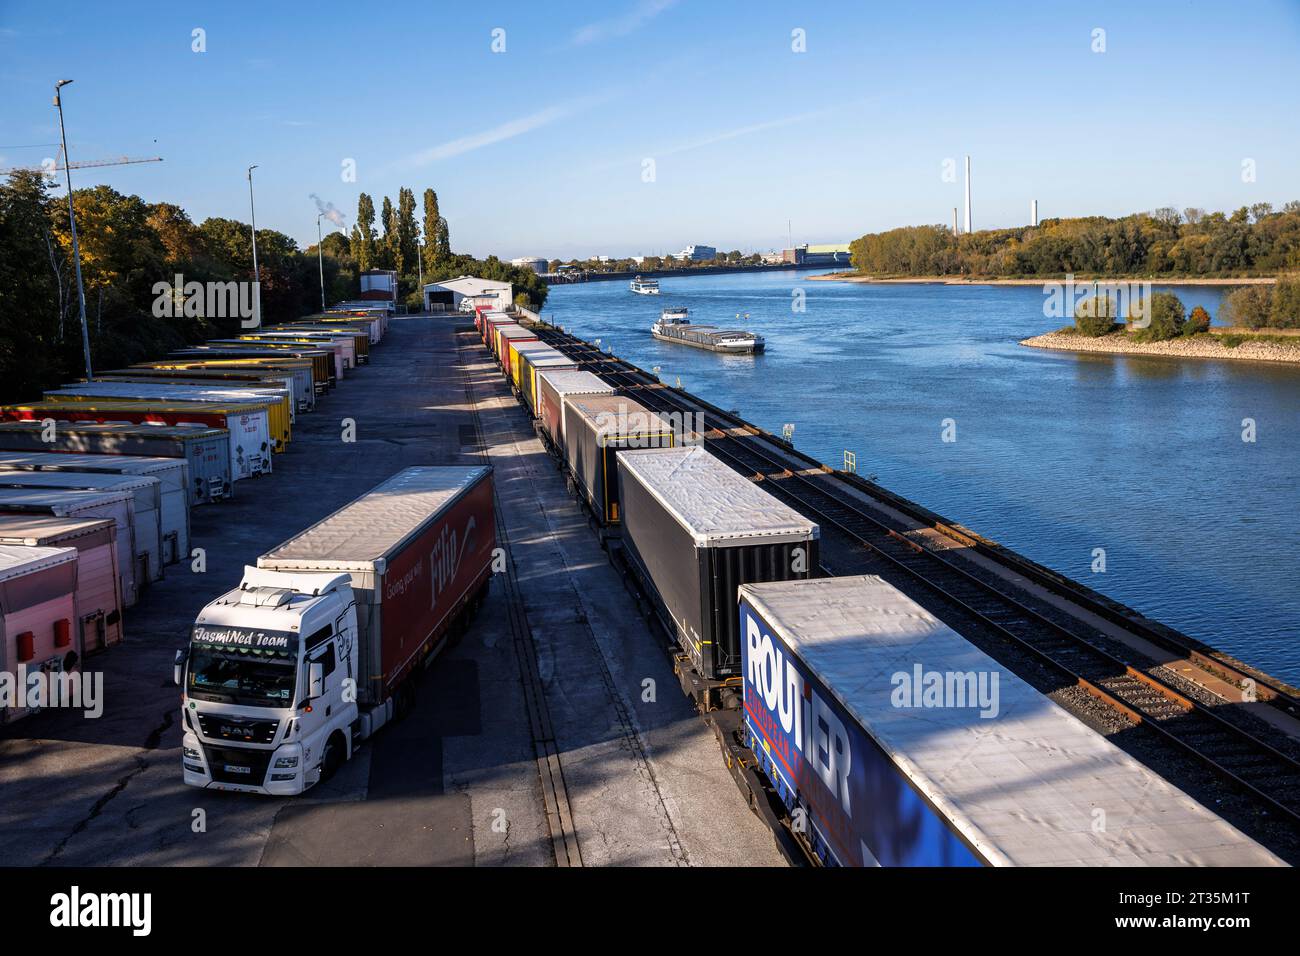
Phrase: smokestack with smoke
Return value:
(328, 210)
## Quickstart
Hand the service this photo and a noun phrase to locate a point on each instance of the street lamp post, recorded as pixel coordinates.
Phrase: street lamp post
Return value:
(320, 255)
(257, 276)
(419, 261)
(72, 222)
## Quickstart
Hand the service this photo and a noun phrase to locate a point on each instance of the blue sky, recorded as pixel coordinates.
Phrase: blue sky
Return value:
(540, 149)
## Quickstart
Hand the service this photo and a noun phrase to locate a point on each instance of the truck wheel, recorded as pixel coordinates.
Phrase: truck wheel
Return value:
(335, 753)
(404, 699)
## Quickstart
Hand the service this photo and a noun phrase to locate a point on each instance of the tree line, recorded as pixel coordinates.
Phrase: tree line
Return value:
(129, 246)
(1165, 243)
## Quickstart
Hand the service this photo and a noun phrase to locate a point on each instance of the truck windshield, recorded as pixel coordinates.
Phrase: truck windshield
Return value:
(258, 676)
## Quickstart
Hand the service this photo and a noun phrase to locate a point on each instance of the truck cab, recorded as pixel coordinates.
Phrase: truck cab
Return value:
(270, 683)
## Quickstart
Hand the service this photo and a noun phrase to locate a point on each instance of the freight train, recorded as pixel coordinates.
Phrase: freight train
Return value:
(859, 726)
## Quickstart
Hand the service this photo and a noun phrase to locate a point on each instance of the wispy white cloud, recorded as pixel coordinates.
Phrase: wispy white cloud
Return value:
(502, 132)
(741, 131)
(633, 20)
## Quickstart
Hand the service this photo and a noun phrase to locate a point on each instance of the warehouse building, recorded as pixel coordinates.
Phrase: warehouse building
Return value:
(466, 293)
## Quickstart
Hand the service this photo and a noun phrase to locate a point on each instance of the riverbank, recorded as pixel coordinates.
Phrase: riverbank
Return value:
(1079, 280)
(1200, 346)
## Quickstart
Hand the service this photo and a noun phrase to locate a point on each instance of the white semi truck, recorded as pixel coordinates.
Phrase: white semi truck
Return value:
(319, 645)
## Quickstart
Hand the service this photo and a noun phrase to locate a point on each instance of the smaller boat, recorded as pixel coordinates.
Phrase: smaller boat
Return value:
(674, 325)
(645, 286)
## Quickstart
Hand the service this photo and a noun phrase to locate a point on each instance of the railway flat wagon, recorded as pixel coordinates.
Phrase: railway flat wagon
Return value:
(117, 506)
(205, 451)
(597, 428)
(38, 604)
(146, 506)
(696, 531)
(905, 745)
(247, 426)
(554, 386)
(99, 587)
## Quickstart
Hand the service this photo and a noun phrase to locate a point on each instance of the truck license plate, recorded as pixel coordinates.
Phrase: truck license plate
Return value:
(231, 768)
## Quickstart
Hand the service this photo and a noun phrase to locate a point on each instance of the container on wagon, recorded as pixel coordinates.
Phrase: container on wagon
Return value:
(697, 530)
(146, 504)
(319, 645)
(205, 451)
(118, 506)
(904, 745)
(247, 425)
(531, 364)
(38, 611)
(506, 334)
(554, 386)
(596, 429)
(99, 585)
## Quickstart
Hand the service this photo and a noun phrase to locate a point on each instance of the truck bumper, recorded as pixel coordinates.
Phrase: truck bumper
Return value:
(199, 771)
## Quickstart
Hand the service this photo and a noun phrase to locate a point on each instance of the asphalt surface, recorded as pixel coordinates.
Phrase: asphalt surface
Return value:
(457, 782)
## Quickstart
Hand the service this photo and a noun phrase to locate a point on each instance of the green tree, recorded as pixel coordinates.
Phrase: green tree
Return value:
(1095, 316)
(1247, 307)
(363, 233)
(406, 228)
(1285, 310)
(430, 227)
(387, 254)
(1164, 318)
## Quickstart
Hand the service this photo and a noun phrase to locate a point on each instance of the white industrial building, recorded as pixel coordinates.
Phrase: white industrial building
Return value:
(699, 253)
(466, 293)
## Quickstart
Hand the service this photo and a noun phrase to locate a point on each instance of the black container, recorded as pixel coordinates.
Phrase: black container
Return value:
(696, 531)
(596, 428)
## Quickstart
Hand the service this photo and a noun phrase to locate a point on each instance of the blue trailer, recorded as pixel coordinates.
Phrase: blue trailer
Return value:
(891, 740)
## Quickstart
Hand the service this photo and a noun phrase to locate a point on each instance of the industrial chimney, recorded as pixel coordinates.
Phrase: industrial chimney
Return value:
(1033, 212)
(968, 226)
(954, 222)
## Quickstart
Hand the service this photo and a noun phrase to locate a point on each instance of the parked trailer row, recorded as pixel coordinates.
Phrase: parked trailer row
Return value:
(317, 647)
(99, 476)
(38, 608)
(834, 679)
(99, 586)
(172, 475)
(205, 451)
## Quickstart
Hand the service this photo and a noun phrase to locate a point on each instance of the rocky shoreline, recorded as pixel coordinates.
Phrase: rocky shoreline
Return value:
(1200, 346)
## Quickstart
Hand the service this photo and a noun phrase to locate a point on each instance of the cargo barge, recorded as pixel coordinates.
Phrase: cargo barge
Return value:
(674, 326)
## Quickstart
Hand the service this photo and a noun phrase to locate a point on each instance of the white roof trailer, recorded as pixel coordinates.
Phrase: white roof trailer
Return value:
(99, 587)
(172, 473)
(906, 768)
(118, 505)
(38, 605)
(146, 495)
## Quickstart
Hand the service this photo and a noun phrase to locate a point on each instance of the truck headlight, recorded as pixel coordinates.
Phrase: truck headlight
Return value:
(192, 753)
(285, 762)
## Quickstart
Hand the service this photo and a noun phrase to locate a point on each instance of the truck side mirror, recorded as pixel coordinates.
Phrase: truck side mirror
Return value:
(315, 680)
(178, 666)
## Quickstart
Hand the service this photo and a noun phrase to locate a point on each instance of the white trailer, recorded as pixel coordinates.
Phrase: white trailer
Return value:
(147, 503)
(38, 604)
(66, 503)
(99, 586)
(172, 473)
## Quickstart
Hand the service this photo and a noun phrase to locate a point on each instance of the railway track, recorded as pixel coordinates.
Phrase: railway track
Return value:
(1058, 640)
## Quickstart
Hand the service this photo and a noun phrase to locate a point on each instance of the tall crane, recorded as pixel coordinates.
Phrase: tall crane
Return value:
(58, 165)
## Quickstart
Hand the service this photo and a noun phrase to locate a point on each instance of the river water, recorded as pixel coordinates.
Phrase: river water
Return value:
(1055, 454)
